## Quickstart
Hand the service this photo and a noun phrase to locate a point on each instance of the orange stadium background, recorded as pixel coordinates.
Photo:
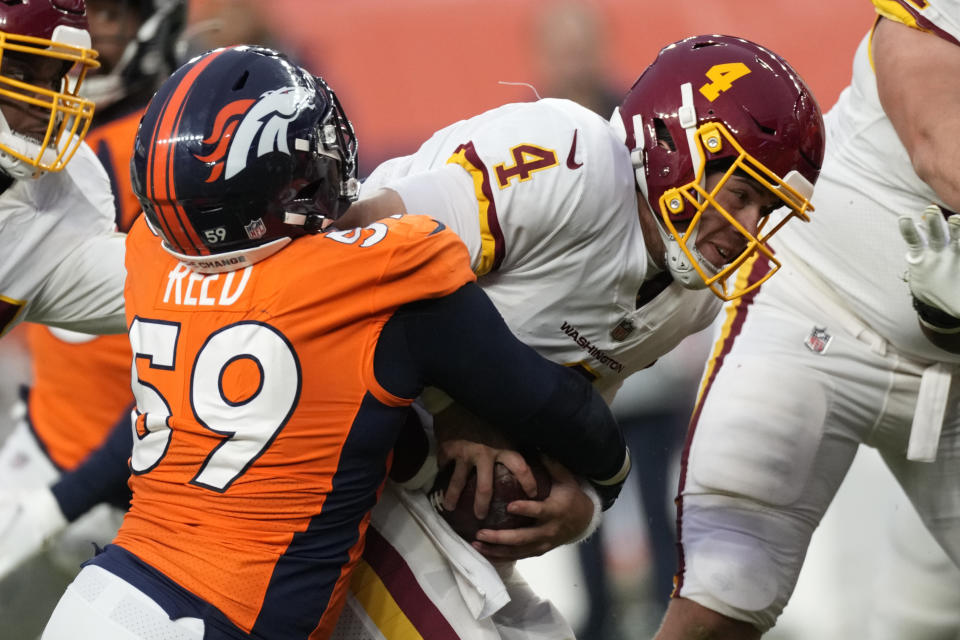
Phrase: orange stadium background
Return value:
(404, 68)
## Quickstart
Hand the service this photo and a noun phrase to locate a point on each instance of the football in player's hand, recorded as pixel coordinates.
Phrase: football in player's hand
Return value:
(506, 489)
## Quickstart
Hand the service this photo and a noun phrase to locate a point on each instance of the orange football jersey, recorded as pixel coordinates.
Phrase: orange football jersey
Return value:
(264, 438)
(81, 383)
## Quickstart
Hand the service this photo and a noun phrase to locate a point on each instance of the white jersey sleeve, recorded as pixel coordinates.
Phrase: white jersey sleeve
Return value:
(444, 192)
(519, 171)
(543, 196)
(80, 294)
(64, 263)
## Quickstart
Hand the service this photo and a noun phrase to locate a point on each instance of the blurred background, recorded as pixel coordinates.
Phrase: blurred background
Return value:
(405, 68)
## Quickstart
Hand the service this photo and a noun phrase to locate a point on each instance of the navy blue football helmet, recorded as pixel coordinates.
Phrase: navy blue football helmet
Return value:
(239, 152)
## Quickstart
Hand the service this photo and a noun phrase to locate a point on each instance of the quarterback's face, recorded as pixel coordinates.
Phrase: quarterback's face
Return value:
(747, 202)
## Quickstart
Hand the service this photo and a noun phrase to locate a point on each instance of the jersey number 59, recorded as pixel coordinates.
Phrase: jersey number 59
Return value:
(248, 425)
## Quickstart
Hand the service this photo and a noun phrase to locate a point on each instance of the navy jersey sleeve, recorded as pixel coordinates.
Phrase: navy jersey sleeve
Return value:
(460, 344)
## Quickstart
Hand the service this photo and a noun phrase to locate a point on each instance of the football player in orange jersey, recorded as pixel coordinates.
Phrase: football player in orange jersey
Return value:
(81, 382)
(275, 365)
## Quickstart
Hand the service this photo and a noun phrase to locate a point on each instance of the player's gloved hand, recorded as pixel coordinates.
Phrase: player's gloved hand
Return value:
(568, 514)
(933, 260)
(29, 519)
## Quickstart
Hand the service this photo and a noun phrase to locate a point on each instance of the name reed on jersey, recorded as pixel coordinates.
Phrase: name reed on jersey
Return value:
(189, 288)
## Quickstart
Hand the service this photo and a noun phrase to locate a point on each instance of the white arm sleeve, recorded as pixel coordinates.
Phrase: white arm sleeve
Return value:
(85, 291)
(446, 194)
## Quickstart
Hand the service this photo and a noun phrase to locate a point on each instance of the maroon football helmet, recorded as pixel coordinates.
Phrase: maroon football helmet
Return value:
(717, 97)
(40, 41)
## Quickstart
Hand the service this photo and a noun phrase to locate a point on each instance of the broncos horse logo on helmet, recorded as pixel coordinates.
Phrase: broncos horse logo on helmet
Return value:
(284, 158)
(264, 123)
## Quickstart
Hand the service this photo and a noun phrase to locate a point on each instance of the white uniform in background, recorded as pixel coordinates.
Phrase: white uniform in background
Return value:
(62, 264)
(559, 250)
(827, 356)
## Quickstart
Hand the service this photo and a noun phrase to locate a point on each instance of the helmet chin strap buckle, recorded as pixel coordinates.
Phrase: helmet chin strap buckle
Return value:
(310, 222)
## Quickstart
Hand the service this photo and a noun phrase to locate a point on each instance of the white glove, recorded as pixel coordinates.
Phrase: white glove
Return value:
(29, 518)
(933, 259)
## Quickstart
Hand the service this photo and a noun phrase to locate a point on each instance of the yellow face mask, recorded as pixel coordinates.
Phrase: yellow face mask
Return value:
(676, 204)
(44, 118)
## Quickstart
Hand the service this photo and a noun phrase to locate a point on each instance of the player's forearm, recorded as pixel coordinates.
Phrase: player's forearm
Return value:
(508, 384)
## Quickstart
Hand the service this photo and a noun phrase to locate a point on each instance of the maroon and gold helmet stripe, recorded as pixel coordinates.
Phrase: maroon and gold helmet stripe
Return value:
(161, 183)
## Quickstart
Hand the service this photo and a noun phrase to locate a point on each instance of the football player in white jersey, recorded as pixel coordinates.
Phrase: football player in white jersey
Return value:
(715, 135)
(80, 383)
(603, 244)
(62, 264)
(830, 354)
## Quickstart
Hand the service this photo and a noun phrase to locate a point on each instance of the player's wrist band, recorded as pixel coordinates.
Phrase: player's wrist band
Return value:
(936, 319)
(425, 475)
(591, 492)
(620, 475)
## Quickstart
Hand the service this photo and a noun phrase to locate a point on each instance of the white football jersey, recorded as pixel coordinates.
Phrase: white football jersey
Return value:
(62, 264)
(856, 251)
(558, 247)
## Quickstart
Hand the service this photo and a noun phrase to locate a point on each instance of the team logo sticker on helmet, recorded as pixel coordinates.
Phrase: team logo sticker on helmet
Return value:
(243, 124)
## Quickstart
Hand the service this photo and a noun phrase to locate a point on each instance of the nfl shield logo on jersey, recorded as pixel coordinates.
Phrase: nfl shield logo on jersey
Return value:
(818, 340)
(623, 330)
(256, 229)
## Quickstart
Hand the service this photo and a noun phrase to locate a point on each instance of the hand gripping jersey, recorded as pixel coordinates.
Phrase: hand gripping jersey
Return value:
(866, 156)
(543, 196)
(250, 493)
(81, 382)
(61, 265)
